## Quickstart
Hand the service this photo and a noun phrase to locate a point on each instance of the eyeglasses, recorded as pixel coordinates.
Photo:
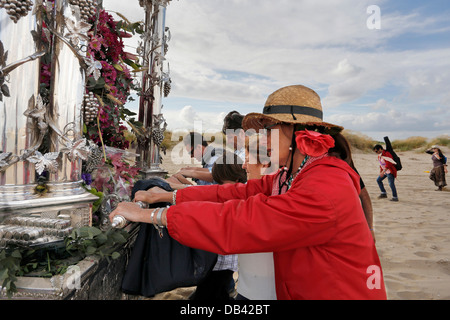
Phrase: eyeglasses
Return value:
(269, 127)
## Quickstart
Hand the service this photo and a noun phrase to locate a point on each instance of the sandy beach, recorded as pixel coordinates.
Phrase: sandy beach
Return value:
(411, 235)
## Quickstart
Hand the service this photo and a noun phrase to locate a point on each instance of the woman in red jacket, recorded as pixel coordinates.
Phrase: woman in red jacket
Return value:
(308, 213)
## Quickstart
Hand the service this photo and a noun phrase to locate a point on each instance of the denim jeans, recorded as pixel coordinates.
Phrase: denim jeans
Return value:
(391, 179)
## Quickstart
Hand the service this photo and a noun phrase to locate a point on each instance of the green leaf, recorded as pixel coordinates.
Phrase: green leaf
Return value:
(101, 238)
(91, 250)
(83, 232)
(118, 238)
(16, 254)
(128, 112)
(115, 255)
(118, 67)
(94, 232)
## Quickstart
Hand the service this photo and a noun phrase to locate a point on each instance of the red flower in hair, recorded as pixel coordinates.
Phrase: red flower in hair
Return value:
(313, 143)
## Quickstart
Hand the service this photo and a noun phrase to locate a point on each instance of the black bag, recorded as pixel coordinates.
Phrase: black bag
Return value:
(162, 264)
(396, 158)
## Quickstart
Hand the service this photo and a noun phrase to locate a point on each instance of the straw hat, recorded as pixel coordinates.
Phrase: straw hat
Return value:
(295, 104)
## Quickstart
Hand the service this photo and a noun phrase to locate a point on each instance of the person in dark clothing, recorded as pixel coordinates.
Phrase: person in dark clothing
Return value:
(439, 170)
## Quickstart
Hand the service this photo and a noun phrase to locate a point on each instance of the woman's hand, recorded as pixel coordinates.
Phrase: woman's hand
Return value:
(153, 195)
(130, 211)
(181, 176)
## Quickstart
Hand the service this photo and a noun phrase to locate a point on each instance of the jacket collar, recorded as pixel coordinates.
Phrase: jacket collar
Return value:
(335, 162)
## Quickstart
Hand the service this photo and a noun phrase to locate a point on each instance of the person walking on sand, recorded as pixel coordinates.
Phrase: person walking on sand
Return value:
(387, 170)
(439, 170)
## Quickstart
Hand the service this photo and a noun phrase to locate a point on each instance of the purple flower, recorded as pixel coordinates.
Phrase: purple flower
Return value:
(87, 178)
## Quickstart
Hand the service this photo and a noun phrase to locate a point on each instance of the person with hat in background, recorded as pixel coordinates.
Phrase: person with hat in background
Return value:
(308, 213)
(439, 170)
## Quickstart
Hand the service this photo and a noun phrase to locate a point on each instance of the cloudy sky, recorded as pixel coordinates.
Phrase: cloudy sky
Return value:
(379, 73)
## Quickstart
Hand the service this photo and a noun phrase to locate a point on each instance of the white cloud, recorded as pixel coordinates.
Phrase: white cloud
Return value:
(380, 104)
(322, 44)
(190, 118)
(345, 68)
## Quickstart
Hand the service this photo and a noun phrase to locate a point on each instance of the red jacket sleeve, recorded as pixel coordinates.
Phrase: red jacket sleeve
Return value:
(301, 217)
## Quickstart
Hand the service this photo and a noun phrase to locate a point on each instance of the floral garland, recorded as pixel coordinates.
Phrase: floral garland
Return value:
(110, 80)
(115, 81)
(112, 87)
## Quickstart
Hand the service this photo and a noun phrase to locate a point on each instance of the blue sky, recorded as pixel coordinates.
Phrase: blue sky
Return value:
(231, 54)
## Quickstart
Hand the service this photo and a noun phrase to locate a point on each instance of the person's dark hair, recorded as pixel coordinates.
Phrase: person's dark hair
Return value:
(377, 147)
(341, 148)
(232, 120)
(228, 168)
(193, 139)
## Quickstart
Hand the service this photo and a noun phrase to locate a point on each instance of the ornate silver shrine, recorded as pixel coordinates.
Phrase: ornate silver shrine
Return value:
(33, 212)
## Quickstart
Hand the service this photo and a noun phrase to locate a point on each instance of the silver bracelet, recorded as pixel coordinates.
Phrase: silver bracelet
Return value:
(158, 218)
(141, 204)
(174, 197)
(151, 215)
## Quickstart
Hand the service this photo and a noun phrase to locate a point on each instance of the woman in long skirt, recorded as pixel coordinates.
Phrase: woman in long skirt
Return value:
(439, 170)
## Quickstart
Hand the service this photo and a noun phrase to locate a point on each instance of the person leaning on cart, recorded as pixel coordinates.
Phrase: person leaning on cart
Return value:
(308, 213)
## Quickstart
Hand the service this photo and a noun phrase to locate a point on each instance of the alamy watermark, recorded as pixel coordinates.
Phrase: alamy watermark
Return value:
(257, 145)
(374, 280)
(374, 20)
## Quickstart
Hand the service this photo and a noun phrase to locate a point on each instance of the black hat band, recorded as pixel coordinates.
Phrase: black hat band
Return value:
(307, 111)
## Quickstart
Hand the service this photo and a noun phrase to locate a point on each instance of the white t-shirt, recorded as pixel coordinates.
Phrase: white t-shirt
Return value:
(256, 275)
(256, 279)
